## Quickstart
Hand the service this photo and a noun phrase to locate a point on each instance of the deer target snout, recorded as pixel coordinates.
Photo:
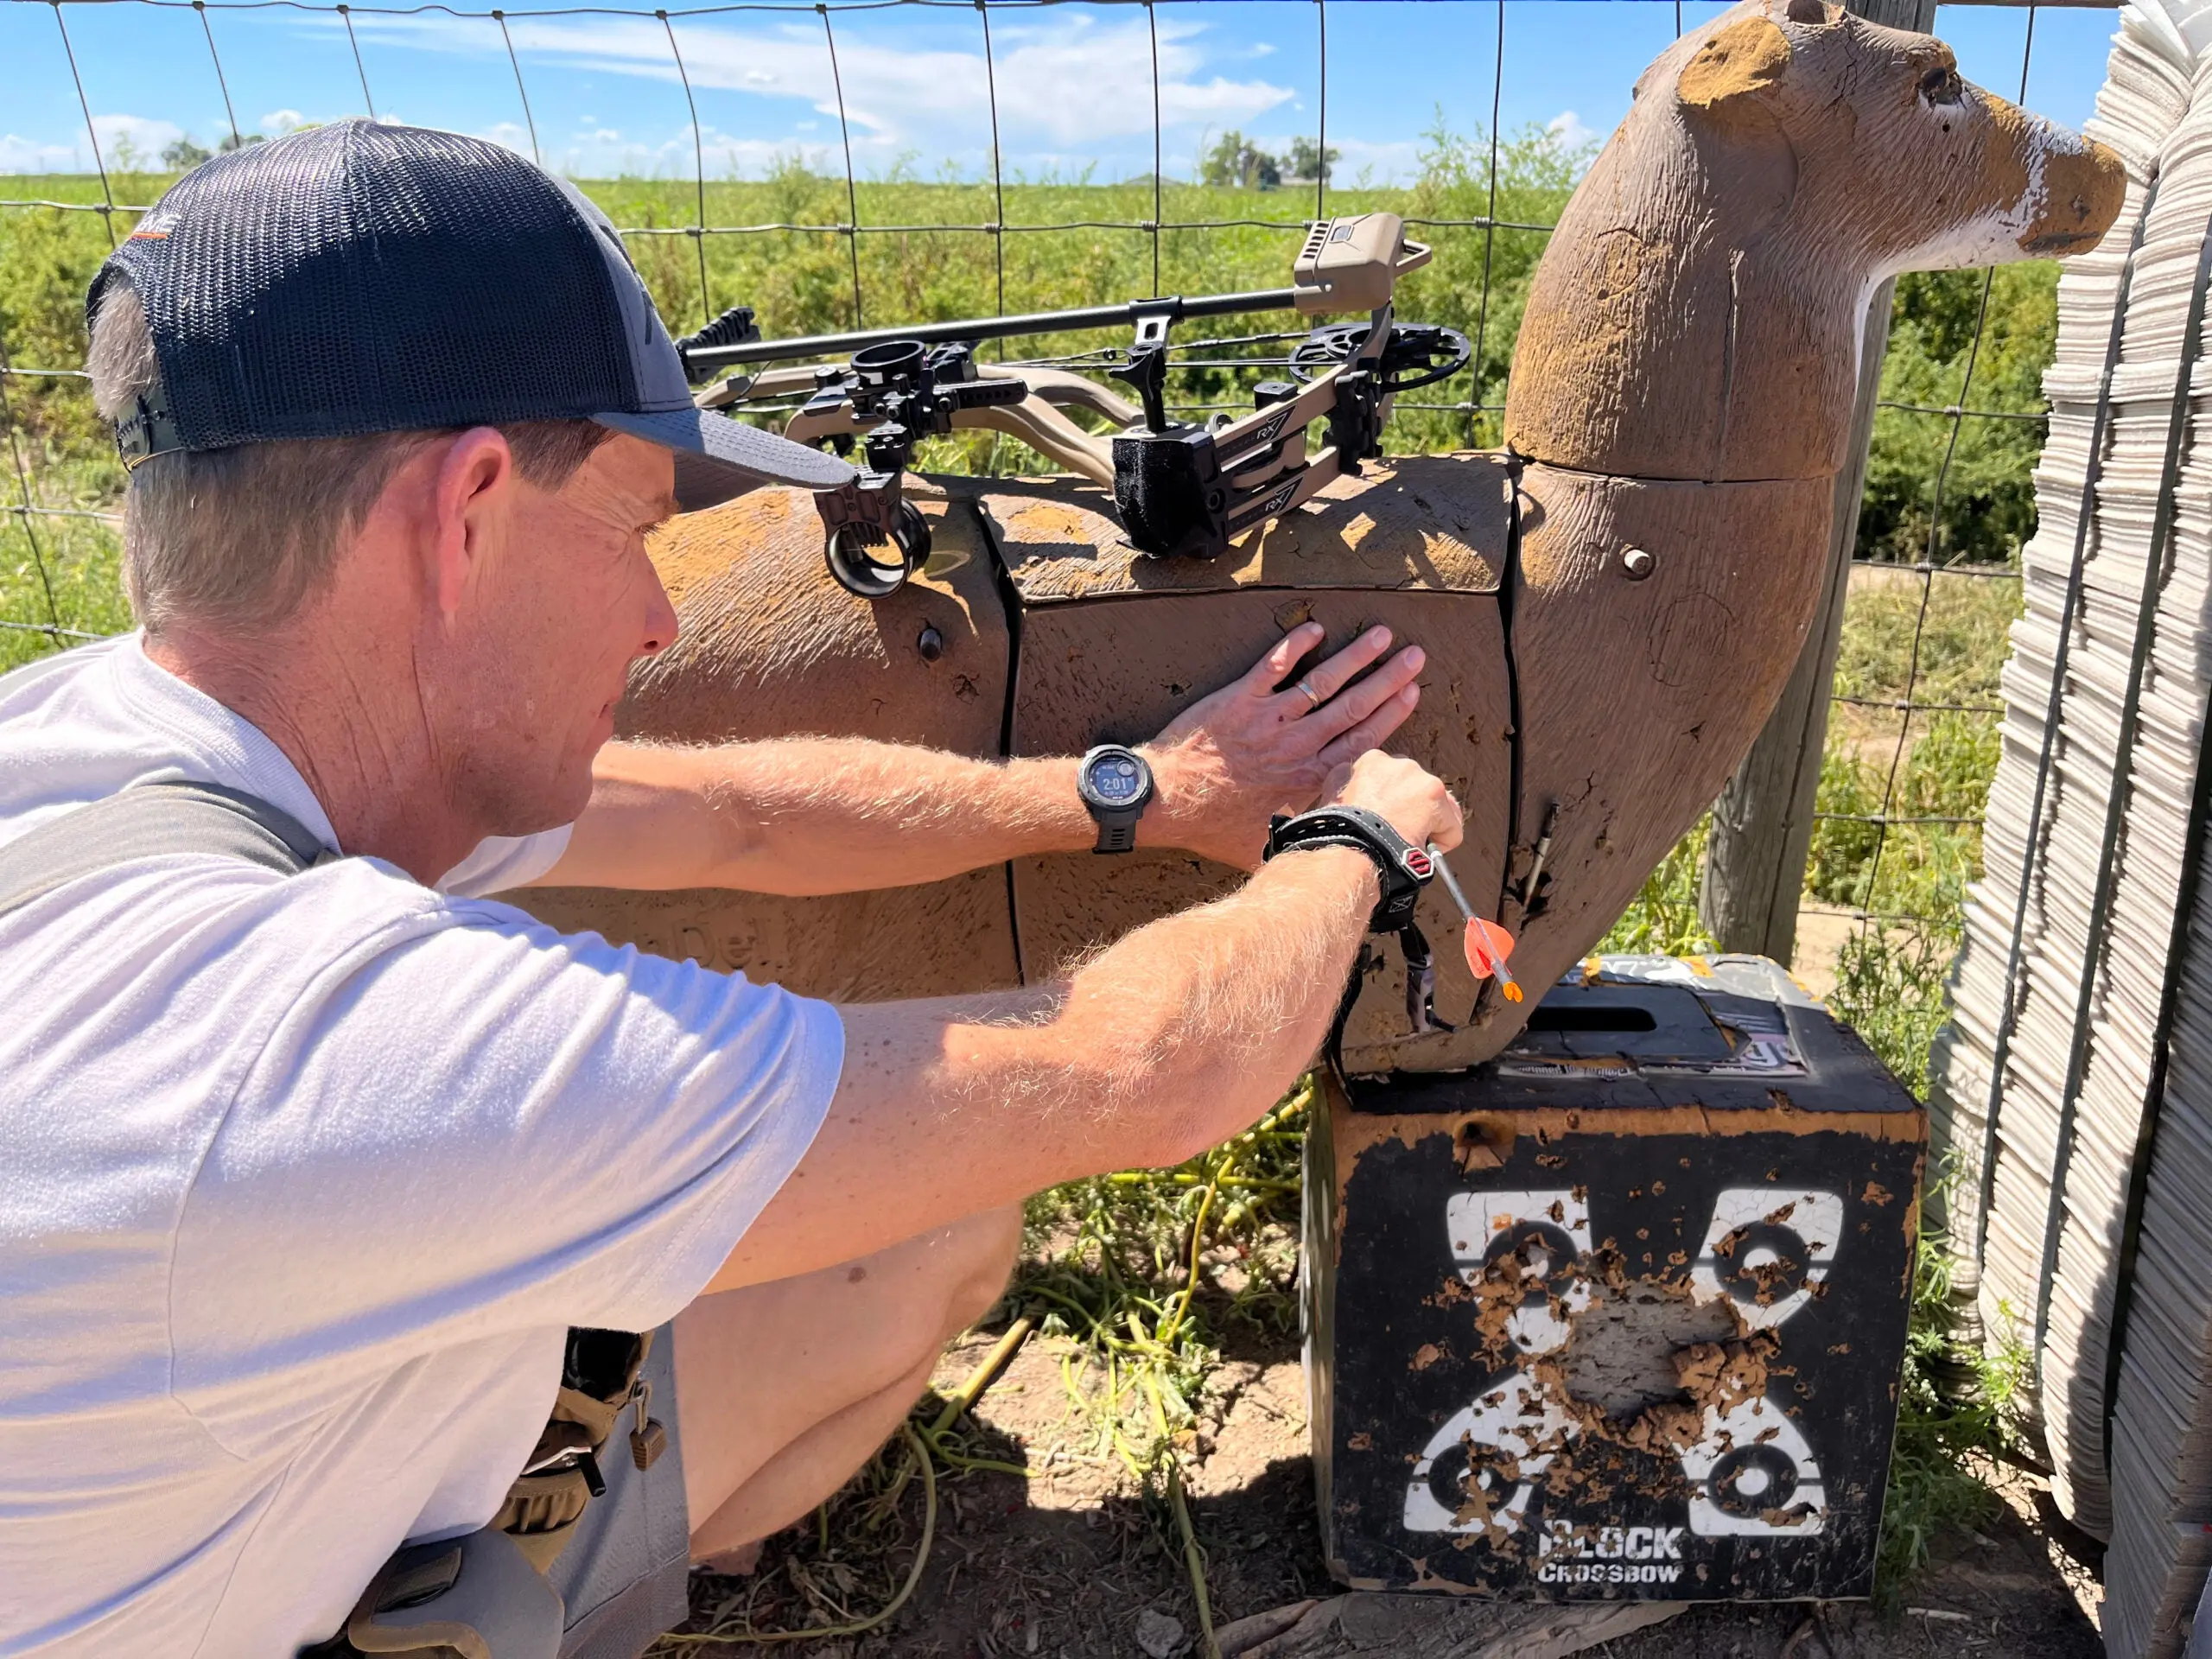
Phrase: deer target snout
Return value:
(1983, 181)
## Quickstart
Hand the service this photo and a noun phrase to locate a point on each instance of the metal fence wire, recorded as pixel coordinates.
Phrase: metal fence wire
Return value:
(65, 612)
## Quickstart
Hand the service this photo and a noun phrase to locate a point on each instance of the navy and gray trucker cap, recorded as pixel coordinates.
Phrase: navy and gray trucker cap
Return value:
(361, 277)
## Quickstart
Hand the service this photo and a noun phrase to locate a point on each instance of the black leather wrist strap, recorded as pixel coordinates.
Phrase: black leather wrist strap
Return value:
(1403, 869)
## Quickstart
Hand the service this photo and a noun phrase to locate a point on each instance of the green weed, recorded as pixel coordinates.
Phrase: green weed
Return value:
(1988, 498)
(1662, 918)
(1947, 1440)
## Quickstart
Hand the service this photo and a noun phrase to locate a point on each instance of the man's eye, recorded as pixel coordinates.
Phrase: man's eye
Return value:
(1941, 86)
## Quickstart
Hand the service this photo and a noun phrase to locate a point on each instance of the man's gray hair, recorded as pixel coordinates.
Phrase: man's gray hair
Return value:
(239, 538)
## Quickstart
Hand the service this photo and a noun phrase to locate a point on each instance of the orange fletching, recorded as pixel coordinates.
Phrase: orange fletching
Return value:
(1488, 946)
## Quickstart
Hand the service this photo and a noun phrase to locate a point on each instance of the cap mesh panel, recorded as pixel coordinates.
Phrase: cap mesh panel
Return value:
(361, 277)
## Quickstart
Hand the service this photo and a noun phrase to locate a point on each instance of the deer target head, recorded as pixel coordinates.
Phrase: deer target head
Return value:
(1872, 133)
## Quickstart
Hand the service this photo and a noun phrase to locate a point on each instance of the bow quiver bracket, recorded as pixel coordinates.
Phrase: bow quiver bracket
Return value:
(1187, 491)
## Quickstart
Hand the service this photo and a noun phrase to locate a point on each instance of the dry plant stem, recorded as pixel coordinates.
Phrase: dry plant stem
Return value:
(1166, 1336)
(984, 1375)
(921, 1455)
(1193, 1561)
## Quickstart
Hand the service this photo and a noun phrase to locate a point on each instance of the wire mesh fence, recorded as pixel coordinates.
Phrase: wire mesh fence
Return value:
(815, 243)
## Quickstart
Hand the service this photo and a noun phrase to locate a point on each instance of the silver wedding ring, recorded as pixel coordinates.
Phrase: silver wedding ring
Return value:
(1313, 698)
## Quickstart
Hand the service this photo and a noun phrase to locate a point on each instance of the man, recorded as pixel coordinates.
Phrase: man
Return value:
(308, 1175)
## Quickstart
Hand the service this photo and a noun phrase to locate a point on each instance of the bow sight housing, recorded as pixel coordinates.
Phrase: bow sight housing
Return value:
(893, 394)
(1182, 490)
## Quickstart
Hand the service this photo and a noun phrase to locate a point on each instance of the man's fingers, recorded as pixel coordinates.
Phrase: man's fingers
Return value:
(1336, 672)
(1448, 834)
(1341, 713)
(1370, 732)
(1272, 670)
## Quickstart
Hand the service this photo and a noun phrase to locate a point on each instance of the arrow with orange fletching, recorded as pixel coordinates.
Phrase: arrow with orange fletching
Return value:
(1488, 944)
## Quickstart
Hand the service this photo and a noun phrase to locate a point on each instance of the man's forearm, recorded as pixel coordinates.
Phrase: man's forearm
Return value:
(810, 816)
(1192, 1026)
(1180, 1035)
(807, 815)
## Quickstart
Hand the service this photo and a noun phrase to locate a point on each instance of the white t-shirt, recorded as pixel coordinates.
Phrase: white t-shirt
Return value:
(303, 1179)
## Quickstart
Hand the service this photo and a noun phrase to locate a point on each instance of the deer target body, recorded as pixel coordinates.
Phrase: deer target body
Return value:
(1650, 547)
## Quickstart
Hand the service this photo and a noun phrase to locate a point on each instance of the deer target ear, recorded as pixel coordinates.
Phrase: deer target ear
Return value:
(1733, 67)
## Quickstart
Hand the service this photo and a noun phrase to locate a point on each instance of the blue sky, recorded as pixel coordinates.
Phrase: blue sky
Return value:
(1074, 80)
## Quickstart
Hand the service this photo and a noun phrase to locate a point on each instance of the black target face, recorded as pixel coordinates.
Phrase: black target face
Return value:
(1752, 1480)
(1455, 1476)
(1548, 1258)
(1448, 1198)
(1769, 1264)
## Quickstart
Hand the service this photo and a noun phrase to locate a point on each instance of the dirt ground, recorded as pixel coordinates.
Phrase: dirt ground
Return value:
(1068, 1561)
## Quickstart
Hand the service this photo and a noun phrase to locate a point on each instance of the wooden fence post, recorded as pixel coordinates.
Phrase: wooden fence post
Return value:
(1763, 822)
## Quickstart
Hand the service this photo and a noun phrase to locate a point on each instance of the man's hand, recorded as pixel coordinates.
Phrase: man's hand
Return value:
(1231, 760)
(1410, 801)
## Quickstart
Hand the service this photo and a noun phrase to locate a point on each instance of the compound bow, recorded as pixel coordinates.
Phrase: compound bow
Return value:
(1183, 490)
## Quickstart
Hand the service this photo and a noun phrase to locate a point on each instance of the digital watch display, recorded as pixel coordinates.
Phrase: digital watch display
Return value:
(1115, 784)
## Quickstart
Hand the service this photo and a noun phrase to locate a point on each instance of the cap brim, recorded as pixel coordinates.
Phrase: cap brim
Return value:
(717, 458)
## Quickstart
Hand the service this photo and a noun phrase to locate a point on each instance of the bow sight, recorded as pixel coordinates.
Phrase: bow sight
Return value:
(1183, 490)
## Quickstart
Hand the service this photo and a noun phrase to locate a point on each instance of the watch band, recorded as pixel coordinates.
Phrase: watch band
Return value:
(1403, 869)
(1117, 831)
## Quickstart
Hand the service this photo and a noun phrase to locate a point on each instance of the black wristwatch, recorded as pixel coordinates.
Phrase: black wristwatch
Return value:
(1405, 870)
(1115, 784)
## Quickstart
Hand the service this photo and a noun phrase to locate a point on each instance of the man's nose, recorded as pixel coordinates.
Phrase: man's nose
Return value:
(660, 620)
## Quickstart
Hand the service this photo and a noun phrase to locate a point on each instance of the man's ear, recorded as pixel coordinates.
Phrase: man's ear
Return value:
(474, 499)
(1724, 79)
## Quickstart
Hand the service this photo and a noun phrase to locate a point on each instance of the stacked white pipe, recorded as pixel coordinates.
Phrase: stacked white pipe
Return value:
(2156, 109)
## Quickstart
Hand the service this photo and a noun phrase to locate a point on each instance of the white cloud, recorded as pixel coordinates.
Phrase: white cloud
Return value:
(283, 121)
(21, 155)
(607, 152)
(1569, 132)
(513, 134)
(1069, 82)
(125, 141)
(135, 140)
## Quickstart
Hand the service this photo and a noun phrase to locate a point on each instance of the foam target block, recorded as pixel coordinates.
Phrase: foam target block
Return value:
(1621, 1313)
(1111, 646)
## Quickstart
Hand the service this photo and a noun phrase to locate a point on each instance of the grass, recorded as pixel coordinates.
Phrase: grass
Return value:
(1949, 1437)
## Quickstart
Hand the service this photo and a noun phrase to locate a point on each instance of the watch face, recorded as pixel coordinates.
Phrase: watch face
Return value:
(1116, 780)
